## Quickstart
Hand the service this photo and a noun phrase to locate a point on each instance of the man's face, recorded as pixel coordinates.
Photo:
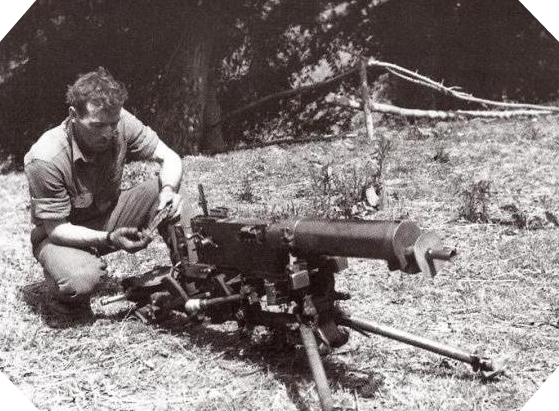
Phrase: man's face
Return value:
(95, 131)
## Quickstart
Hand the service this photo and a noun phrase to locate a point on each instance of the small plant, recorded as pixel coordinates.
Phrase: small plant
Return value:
(382, 151)
(341, 190)
(475, 201)
(246, 193)
(520, 219)
(531, 219)
(351, 184)
(278, 211)
(531, 132)
(441, 155)
(442, 132)
(417, 133)
(547, 205)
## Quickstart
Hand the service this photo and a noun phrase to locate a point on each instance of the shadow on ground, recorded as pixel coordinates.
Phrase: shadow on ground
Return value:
(263, 348)
(37, 297)
(289, 365)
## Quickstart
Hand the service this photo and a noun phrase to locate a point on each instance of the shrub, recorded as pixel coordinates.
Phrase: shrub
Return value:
(531, 132)
(246, 193)
(475, 201)
(339, 190)
(441, 155)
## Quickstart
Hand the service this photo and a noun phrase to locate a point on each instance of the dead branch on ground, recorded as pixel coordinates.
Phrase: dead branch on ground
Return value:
(432, 114)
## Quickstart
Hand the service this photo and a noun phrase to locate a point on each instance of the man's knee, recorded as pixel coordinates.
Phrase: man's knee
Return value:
(71, 273)
(83, 281)
(135, 207)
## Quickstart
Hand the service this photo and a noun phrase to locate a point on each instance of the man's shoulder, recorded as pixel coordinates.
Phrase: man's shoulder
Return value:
(141, 140)
(49, 146)
(126, 117)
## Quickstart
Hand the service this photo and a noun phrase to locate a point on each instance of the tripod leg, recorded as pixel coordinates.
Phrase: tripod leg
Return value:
(478, 363)
(317, 369)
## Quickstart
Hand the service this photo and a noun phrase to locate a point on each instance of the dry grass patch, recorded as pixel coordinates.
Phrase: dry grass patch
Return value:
(499, 297)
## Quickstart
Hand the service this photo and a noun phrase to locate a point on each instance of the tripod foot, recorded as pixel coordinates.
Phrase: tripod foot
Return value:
(489, 370)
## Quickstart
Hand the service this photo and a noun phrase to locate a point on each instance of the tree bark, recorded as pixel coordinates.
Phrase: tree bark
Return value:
(188, 103)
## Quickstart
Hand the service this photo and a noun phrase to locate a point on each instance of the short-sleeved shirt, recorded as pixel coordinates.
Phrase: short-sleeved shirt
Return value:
(65, 184)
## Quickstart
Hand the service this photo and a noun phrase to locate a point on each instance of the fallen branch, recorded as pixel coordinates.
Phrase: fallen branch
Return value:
(284, 94)
(432, 114)
(411, 76)
(451, 91)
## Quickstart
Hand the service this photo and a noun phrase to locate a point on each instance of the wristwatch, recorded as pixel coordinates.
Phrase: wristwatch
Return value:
(108, 241)
(169, 185)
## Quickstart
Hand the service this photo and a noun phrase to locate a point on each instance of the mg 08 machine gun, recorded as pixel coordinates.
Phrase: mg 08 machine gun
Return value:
(282, 274)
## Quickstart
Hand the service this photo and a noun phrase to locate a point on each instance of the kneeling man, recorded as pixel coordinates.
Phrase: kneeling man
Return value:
(74, 172)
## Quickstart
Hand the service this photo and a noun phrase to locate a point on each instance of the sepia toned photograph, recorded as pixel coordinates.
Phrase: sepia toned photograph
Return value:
(279, 205)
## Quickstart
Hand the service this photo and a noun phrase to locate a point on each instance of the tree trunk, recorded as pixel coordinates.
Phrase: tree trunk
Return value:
(188, 104)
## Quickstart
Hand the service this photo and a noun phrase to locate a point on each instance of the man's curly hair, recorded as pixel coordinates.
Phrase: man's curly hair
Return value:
(98, 88)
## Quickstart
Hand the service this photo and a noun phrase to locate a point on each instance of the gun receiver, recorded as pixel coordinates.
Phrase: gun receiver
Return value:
(257, 245)
(282, 275)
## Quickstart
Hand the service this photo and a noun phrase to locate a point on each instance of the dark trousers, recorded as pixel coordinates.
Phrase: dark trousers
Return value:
(74, 273)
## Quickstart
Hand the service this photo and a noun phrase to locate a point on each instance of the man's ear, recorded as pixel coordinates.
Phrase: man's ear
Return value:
(72, 112)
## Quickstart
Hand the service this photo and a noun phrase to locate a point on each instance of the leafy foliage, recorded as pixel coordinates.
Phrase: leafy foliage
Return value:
(56, 40)
(493, 49)
(187, 62)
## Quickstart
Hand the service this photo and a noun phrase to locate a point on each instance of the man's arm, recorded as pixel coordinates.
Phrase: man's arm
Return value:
(144, 144)
(171, 165)
(65, 233)
(50, 203)
(170, 177)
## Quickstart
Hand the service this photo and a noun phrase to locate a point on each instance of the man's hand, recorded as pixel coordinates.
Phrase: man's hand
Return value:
(129, 238)
(168, 196)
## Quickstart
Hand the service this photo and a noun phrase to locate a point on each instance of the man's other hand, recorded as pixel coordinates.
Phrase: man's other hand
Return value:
(129, 238)
(168, 196)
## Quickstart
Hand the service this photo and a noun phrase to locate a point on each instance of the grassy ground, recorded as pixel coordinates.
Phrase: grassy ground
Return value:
(499, 297)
